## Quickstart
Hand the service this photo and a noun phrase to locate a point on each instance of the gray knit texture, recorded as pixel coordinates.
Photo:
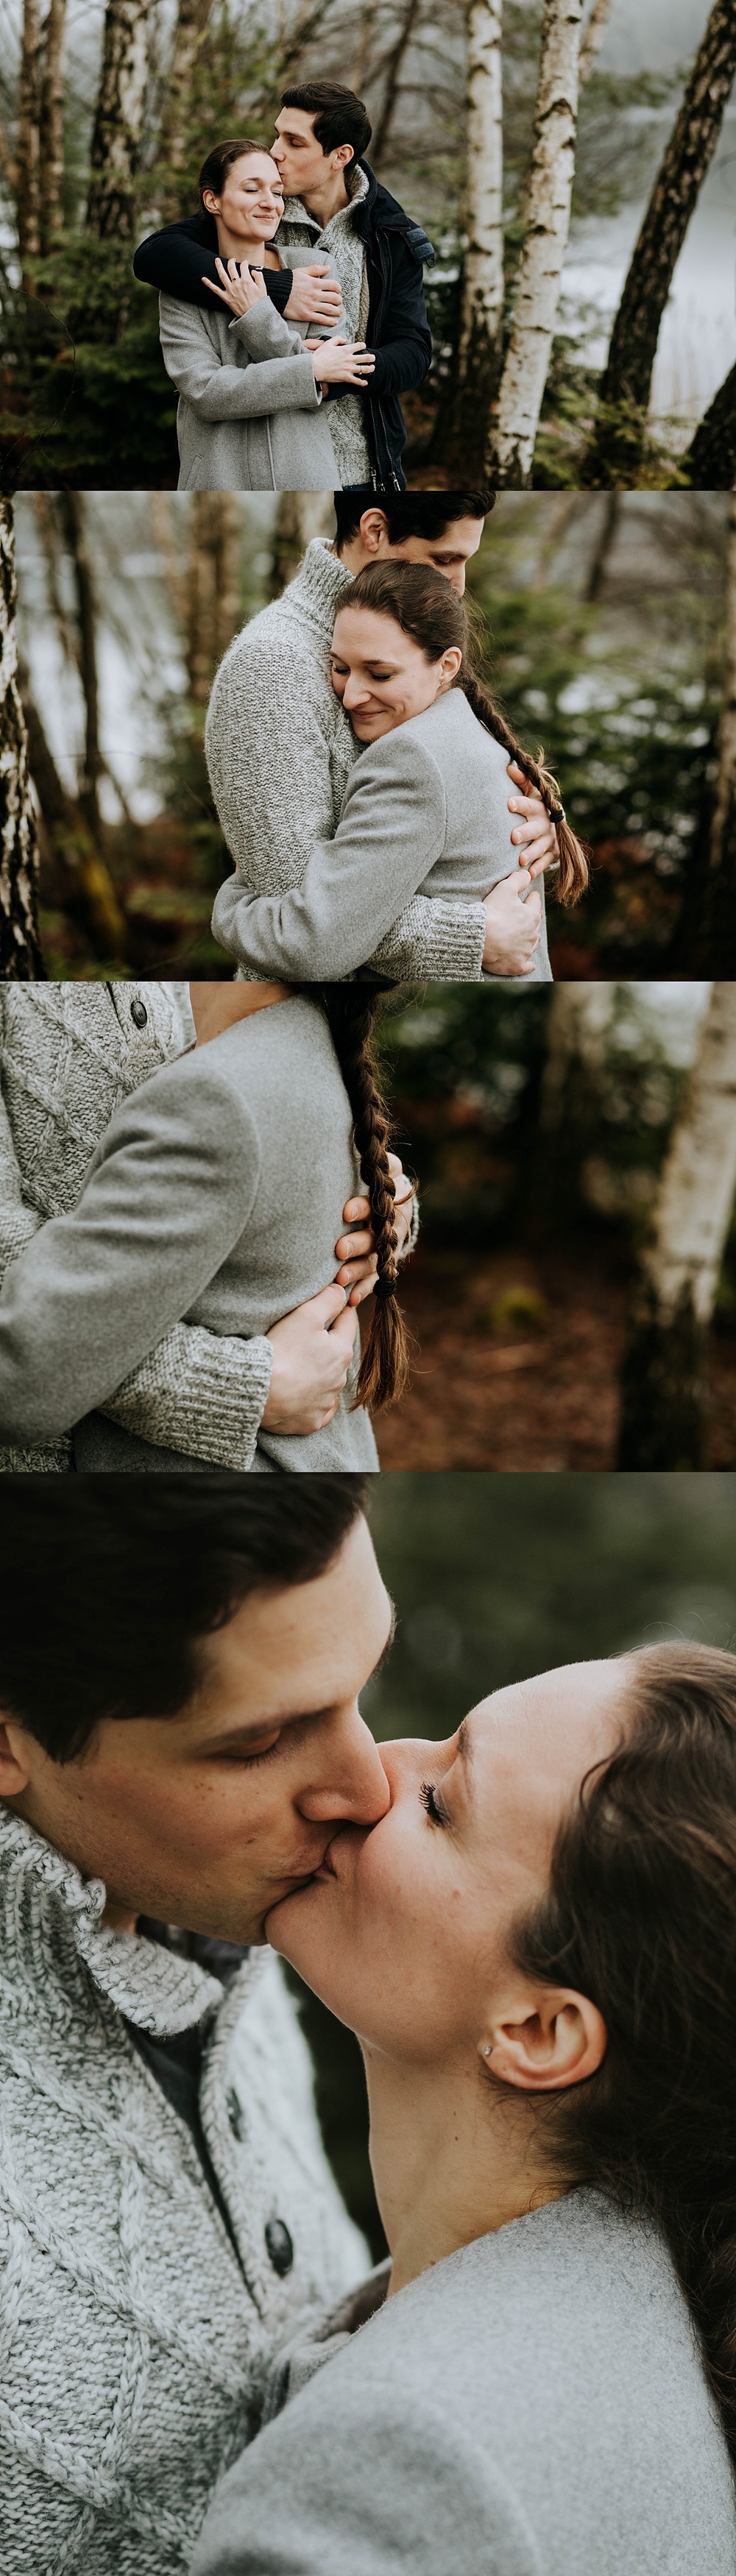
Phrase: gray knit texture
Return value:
(69, 1054)
(533, 2406)
(212, 1198)
(425, 810)
(302, 239)
(135, 2347)
(250, 417)
(280, 754)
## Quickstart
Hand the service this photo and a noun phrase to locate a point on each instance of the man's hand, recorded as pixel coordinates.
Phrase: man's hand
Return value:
(514, 927)
(241, 287)
(534, 834)
(315, 295)
(312, 1350)
(355, 1251)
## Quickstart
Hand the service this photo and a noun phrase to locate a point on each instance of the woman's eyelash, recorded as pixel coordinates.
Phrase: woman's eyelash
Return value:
(435, 1810)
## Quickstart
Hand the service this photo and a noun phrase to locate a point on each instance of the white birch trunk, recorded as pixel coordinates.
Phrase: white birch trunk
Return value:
(52, 123)
(548, 209)
(20, 956)
(592, 38)
(725, 797)
(120, 102)
(698, 1183)
(483, 287)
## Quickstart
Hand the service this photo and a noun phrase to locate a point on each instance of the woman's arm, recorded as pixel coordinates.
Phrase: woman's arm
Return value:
(280, 376)
(358, 2478)
(391, 831)
(168, 1194)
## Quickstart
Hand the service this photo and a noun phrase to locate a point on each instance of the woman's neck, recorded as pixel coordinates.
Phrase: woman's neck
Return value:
(232, 246)
(451, 2161)
(217, 1006)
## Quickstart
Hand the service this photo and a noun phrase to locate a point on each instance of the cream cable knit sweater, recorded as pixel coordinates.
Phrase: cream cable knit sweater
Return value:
(69, 1054)
(134, 2347)
(280, 753)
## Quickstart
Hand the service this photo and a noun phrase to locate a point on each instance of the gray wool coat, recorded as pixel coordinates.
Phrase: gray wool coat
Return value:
(250, 416)
(212, 1199)
(136, 2342)
(424, 812)
(535, 2405)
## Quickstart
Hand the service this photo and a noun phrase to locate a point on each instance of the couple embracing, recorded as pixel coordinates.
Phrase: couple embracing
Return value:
(292, 308)
(383, 818)
(530, 1927)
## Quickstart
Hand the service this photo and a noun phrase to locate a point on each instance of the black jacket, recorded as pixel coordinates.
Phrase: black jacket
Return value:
(176, 259)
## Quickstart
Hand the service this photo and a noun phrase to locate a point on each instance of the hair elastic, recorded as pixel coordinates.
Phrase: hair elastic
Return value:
(557, 813)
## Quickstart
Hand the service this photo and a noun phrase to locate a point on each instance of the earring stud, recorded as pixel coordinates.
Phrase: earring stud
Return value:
(487, 2049)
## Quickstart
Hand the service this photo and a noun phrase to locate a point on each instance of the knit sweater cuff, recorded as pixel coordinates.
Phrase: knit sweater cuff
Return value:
(201, 1393)
(436, 938)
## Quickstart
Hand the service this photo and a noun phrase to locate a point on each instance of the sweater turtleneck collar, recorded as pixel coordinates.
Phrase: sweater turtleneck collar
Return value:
(51, 1928)
(318, 585)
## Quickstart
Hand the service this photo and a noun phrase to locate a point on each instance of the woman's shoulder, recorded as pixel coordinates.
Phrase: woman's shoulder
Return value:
(449, 731)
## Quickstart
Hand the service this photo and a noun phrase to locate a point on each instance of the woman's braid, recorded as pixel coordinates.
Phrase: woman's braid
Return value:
(351, 1010)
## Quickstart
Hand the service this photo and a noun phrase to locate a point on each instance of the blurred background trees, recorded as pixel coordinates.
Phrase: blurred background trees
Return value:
(457, 93)
(607, 628)
(495, 1579)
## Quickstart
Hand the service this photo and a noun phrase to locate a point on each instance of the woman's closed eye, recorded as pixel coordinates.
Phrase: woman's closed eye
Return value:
(434, 1804)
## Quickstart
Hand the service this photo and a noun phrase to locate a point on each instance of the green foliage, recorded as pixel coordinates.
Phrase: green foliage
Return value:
(87, 401)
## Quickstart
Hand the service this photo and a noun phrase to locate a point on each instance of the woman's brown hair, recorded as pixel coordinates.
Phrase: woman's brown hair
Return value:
(640, 1915)
(427, 608)
(352, 1010)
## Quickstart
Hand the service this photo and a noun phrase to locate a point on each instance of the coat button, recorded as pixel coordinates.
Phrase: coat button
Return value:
(279, 2247)
(234, 2113)
(139, 1014)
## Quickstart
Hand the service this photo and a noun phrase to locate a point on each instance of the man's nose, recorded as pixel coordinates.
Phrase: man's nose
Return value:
(354, 1787)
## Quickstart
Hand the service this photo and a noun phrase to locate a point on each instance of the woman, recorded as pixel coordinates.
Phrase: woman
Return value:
(210, 1204)
(425, 809)
(536, 1946)
(250, 386)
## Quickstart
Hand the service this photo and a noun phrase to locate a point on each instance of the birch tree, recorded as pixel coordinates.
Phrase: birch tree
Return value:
(720, 897)
(548, 223)
(663, 1382)
(27, 155)
(20, 951)
(626, 383)
(481, 319)
(118, 119)
(191, 27)
(710, 461)
(51, 124)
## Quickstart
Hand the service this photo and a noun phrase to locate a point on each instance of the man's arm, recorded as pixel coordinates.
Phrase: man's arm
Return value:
(355, 2477)
(168, 1194)
(202, 1393)
(177, 260)
(18, 1223)
(405, 352)
(280, 376)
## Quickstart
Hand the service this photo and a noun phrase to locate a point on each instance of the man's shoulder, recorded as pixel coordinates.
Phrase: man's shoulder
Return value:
(384, 213)
(281, 648)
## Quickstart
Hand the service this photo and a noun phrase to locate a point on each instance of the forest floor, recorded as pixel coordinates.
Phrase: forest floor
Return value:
(487, 1393)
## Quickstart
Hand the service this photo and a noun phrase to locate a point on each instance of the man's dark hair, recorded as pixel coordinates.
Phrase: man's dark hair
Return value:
(109, 1586)
(339, 117)
(409, 514)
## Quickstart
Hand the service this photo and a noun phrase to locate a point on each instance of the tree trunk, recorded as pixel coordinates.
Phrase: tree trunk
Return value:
(464, 429)
(392, 78)
(719, 930)
(52, 124)
(592, 38)
(28, 143)
(548, 210)
(88, 887)
(116, 137)
(626, 382)
(191, 26)
(72, 507)
(20, 949)
(301, 516)
(663, 1385)
(605, 538)
(213, 589)
(710, 461)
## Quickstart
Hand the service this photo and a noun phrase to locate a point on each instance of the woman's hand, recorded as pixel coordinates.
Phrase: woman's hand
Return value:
(534, 835)
(356, 1252)
(341, 362)
(312, 1350)
(514, 927)
(241, 288)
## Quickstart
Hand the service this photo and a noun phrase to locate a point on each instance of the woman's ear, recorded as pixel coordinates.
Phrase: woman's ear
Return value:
(545, 2042)
(450, 664)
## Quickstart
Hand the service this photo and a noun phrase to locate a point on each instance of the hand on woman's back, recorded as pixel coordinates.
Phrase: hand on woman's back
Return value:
(514, 926)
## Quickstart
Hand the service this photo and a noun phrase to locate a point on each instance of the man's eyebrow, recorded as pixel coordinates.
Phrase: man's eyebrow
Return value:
(271, 1723)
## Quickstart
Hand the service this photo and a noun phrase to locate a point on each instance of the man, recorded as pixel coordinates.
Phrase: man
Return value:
(280, 750)
(335, 205)
(179, 1735)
